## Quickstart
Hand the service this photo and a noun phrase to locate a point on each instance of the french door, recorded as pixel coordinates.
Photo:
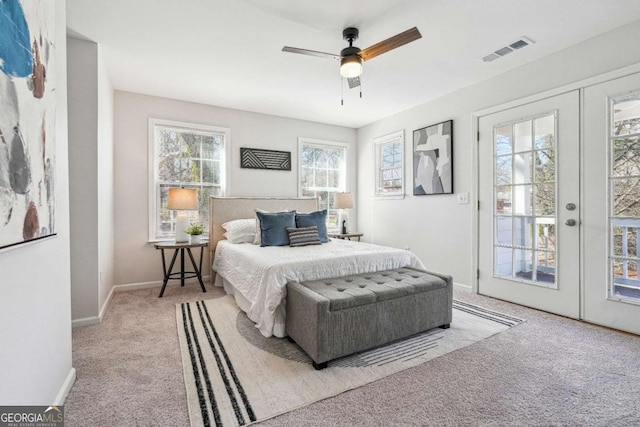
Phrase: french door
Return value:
(529, 183)
(612, 203)
(559, 211)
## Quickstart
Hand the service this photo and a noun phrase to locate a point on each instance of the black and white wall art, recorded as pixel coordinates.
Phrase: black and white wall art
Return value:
(27, 121)
(433, 159)
(254, 158)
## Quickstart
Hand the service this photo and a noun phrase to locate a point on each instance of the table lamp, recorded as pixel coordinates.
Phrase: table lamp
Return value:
(182, 200)
(343, 201)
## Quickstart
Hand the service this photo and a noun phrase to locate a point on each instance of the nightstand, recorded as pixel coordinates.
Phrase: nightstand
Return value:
(347, 236)
(182, 274)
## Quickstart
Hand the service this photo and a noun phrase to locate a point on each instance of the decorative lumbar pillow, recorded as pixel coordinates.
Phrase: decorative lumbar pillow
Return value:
(273, 227)
(240, 230)
(303, 236)
(318, 219)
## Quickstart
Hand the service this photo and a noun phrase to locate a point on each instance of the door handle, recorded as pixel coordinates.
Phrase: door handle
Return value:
(570, 222)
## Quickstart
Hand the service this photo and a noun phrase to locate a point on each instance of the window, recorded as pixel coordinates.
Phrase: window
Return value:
(184, 155)
(389, 161)
(624, 202)
(322, 173)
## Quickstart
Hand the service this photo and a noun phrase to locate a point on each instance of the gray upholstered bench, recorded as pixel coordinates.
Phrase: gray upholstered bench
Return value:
(331, 318)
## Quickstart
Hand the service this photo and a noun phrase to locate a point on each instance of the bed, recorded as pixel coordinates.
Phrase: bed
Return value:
(257, 276)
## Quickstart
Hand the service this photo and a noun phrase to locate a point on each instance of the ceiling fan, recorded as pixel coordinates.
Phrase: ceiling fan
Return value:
(351, 57)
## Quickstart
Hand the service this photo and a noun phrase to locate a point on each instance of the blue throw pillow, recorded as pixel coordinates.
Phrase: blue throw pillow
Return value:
(317, 218)
(273, 227)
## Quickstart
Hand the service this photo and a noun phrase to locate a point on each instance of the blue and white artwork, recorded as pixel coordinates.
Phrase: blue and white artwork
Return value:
(27, 121)
(433, 159)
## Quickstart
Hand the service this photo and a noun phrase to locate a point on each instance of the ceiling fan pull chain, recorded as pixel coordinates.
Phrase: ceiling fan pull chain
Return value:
(342, 91)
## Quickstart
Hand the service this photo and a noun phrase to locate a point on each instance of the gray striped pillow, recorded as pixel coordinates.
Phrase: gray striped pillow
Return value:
(303, 236)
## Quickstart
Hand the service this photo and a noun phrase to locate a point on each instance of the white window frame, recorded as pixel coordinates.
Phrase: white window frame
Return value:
(343, 174)
(378, 145)
(617, 220)
(154, 196)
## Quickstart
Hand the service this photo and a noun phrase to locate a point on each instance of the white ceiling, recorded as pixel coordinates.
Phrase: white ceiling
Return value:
(228, 52)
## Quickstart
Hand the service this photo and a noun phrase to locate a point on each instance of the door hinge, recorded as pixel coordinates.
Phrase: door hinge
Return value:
(477, 273)
(478, 204)
(478, 136)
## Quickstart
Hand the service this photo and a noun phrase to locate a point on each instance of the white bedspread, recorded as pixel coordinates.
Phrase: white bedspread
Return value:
(261, 273)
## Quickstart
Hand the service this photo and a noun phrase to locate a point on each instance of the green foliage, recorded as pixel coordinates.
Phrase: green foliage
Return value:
(195, 229)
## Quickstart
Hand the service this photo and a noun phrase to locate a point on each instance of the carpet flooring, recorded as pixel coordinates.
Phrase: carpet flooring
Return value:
(549, 371)
(234, 375)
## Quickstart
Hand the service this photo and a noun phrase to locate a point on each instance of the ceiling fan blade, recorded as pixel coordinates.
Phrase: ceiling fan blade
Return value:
(390, 43)
(310, 52)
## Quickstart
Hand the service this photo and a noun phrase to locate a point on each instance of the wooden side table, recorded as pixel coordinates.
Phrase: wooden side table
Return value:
(347, 236)
(182, 274)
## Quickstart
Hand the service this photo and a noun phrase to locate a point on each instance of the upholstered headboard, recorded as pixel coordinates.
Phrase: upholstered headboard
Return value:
(223, 209)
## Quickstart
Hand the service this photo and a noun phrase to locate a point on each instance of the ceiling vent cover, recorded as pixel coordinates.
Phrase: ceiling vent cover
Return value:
(499, 53)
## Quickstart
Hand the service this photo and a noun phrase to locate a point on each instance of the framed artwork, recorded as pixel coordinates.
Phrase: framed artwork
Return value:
(254, 158)
(433, 159)
(27, 121)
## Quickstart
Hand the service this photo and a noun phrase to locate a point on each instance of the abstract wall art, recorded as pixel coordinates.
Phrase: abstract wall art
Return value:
(433, 159)
(254, 158)
(27, 121)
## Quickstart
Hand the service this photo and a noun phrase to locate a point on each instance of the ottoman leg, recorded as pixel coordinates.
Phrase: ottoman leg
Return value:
(319, 366)
(447, 326)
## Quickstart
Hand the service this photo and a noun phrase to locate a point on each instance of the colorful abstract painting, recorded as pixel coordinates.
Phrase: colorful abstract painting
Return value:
(27, 121)
(433, 159)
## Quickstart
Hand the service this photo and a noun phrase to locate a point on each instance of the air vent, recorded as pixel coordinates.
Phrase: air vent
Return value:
(518, 44)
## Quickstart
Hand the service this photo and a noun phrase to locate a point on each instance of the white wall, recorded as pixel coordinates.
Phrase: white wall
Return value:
(83, 160)
(35, 309)
(105, 222)
(91, 179)
(137, 261)
(436, 228)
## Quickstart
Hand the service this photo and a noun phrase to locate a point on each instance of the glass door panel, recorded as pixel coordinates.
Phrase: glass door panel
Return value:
(624, 176)
(524, 170)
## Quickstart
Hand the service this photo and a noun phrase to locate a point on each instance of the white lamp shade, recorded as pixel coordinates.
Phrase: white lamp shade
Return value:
(343, 201)
(351, 66)
(182, 199)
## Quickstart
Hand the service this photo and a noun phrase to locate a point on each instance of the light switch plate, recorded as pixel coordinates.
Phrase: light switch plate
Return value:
(463, 198)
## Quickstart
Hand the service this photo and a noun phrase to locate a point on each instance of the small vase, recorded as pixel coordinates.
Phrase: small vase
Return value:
(194, 238)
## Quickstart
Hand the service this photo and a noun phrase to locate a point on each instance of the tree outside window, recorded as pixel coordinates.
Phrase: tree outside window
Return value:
(322, 173)
(188, 156)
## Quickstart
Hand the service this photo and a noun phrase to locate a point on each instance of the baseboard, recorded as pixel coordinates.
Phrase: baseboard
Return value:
(94, 320)
(155, 284)
(106, 303)
(85, 321)
(66, 388)
(462, 287)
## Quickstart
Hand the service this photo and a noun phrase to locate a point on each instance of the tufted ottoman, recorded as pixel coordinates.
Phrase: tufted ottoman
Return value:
(330, 318)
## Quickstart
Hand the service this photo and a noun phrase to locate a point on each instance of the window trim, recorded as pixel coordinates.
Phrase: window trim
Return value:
(153, 172)
(377, 155)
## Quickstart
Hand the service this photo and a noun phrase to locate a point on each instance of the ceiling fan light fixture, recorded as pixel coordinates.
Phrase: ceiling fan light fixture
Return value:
(351, 66)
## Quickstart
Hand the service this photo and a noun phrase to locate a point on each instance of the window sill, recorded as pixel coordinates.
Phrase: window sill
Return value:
(389, 197)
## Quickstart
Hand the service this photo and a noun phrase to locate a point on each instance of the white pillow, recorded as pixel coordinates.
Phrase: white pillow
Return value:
(240, 230)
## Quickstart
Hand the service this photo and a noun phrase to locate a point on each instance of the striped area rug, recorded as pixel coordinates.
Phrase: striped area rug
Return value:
(235, 376)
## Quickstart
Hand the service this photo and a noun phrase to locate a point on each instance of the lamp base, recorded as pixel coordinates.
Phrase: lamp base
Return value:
(343, 221)
(182, 223)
